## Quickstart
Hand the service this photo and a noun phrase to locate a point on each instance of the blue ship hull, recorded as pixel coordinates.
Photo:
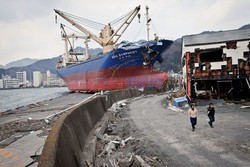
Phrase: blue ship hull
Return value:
(131, 65)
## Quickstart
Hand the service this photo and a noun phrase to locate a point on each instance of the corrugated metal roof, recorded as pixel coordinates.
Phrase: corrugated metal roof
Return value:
(217, 37)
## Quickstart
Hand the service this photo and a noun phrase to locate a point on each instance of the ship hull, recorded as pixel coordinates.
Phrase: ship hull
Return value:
(126, 67)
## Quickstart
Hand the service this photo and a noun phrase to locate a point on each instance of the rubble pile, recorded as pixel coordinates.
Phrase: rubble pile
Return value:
(12, 131)
(122, 145)
(177, 101)
(180, 93)
(177, 94)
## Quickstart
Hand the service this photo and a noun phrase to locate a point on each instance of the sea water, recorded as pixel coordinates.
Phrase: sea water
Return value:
(13, 98)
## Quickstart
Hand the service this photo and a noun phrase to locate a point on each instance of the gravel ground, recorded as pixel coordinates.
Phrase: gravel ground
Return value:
(121, 127)
(162, 137)
(227, 144)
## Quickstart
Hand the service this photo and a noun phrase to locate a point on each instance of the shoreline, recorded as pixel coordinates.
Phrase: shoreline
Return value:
(33, 87)
(30, 117)
(28, 106)
(23, 131)
(15, 99)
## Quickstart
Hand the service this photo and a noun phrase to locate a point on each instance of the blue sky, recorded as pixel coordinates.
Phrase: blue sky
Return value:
(28, 29)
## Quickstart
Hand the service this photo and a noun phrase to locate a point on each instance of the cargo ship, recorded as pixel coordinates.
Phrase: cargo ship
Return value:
(127, 65)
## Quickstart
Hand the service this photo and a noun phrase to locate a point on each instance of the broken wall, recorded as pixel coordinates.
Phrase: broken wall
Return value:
(217, 70)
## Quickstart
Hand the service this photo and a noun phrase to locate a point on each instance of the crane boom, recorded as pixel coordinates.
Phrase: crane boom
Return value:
(124, 25)
(78, 26)
(108, 37)
(64, 35)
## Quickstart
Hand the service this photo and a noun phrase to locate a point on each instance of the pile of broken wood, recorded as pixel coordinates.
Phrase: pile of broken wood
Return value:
(116, 151)
(114, 145)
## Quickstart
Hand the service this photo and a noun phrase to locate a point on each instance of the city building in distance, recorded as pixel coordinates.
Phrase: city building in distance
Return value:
(22, 77)
(7, 82)
(37, 78)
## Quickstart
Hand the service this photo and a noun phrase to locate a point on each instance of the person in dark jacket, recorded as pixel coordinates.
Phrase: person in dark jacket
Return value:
(210, 114)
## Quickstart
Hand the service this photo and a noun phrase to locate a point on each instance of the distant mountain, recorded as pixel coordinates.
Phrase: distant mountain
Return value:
(209, 32)
(247, 26)
(95, 51)
(1, 66)
(172, 57)
(40, 65)
(21, 63)
(2, 71)
(178, 40)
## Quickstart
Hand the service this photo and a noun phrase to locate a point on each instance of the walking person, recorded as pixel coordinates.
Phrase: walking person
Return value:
(210, 114)
(192, 113)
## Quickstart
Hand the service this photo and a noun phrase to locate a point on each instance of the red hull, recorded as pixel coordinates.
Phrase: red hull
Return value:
(119, 78)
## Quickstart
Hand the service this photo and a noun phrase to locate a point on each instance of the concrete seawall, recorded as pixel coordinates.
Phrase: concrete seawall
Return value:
(65, 143)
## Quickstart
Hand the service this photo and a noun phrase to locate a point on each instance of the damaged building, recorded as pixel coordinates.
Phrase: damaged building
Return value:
(217, 65)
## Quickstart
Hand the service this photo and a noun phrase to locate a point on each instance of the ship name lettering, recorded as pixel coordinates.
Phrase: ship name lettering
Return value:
(124, 54)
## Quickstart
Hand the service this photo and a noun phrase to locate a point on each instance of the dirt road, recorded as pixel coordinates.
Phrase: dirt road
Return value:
(227, 144)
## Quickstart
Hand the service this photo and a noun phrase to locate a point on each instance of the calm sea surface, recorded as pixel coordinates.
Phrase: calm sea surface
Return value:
(10, 99)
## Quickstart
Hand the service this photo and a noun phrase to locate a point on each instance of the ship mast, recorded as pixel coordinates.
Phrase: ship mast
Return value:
(108, 37)
(148, 20)
(66, 37)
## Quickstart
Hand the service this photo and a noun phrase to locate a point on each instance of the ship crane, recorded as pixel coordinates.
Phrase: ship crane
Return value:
(108, 37)
(66, 37)
(128, 66)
